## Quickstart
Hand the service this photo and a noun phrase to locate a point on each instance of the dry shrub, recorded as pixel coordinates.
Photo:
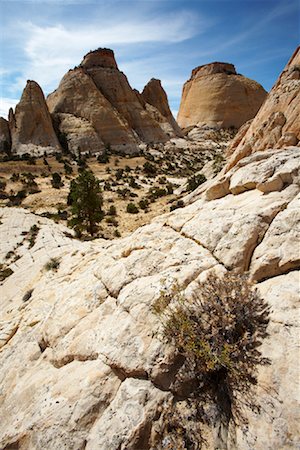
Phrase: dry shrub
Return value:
(218, 331)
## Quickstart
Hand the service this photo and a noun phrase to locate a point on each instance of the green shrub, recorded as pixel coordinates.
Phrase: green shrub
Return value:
(56, 180)
(112, 210)
(149, 168)
(132, 208)
(195, 181)
(178, 204)
(217, 332)
(52, 264)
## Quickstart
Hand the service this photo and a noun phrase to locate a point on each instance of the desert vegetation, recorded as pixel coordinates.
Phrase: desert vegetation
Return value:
(216, 333)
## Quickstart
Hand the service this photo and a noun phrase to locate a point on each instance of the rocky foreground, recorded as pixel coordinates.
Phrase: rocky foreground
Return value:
(81, 362)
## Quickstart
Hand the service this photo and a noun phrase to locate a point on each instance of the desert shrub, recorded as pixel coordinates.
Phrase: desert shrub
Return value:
(133, 184)
(195, 181)
(112, 210)
(32, 235)
(2, 184)
(52, 264)
(119, 174)
(143, 203)
(217, 332)
(219, 162)
(132, 208)
(149, 168)
(68, 168)
(5, 272)
(56, 180)
(178, 204)
(103, 158)
(16, 200)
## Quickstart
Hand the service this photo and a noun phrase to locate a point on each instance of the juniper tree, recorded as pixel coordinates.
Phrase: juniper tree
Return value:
(86, 203)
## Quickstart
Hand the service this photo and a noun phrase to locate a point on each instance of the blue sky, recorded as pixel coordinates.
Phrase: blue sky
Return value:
(165, 39)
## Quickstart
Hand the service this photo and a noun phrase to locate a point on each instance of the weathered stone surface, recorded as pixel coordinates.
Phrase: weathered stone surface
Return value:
(78, 95)
(154, 94)
(114, 85)
(265, 171)
(277, 124)
(79, 133)
(81, 362)
(276, 426)
(31, 125)
(5, 140)
(217, 96)
(279, 251)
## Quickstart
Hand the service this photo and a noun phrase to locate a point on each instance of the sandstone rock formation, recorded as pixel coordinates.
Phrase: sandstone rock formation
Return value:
(79, 134)
(216, 96)
(154, 94)
(31, 125)
(99, 93)
(5, 141)
(93, 372)
(78, 95)
(113, 84)
(278, 121)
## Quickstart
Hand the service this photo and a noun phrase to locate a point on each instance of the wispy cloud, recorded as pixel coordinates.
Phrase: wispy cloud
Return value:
(50, 51)
(5, 104)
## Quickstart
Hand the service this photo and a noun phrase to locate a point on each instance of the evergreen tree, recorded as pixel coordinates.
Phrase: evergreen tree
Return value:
(86, 201)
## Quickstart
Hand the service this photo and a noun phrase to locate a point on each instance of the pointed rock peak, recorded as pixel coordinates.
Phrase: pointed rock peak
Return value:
(102, 57)
(214, 67)
(32, 89)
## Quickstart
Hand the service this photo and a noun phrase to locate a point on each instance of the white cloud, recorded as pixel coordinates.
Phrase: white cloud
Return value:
(50, 51)
(5, 104)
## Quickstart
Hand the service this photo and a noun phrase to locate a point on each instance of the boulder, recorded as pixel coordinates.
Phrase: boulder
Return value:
(216, 96)
(30, 125)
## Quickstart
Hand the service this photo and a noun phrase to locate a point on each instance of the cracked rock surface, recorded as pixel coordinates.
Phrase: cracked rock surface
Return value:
(81, 364)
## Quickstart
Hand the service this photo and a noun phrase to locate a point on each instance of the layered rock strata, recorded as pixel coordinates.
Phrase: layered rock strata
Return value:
(216, 96)
(30, 125)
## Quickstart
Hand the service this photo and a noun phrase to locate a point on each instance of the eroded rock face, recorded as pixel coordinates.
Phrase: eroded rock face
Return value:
(78, 95)
(216, 96)
(31, 125)
(5, 140)
(154, 94)
(115, 87)
(278, 122)
(79, 134)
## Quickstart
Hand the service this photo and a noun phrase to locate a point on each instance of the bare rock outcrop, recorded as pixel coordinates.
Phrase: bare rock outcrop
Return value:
(78, 134)
(78, 95)
(5, 140)
(278, 122)
(155, 95)
(216, 96)
(31, 125)
(115, 87)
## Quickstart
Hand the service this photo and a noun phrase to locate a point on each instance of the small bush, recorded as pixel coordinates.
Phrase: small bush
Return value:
(149, 168)
(52, 264)
(195, 181)
(217, 332)
(112, 210)
(132, 208)
(56, 180)
(178, 204)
